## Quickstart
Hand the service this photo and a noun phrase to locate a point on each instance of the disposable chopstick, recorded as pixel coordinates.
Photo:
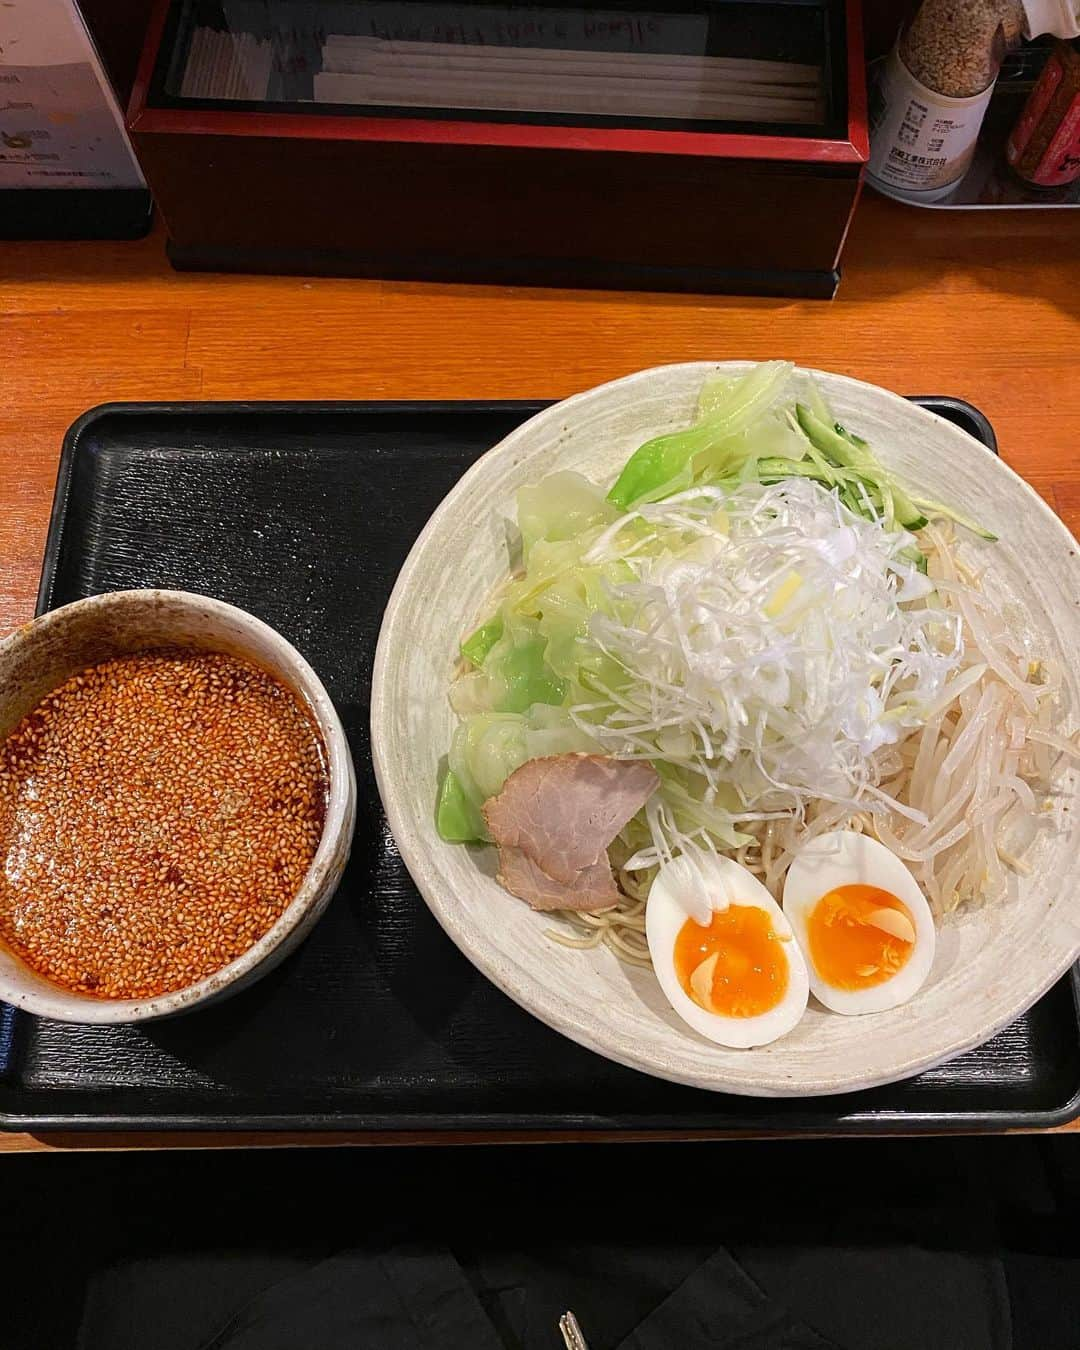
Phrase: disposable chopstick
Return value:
(194, 65)
(521, 65)
(571, 78)
(540, 97)
(781, 71)
(226, 66)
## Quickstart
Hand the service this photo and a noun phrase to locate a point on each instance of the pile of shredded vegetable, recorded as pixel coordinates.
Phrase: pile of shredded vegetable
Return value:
(788, 634)
(769, 641)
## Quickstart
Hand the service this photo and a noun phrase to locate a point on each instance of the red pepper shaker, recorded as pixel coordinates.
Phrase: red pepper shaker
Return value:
(1044, 146)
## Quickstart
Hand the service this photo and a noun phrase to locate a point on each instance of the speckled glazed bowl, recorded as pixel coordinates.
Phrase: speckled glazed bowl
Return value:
(990, 965)
(41, 655)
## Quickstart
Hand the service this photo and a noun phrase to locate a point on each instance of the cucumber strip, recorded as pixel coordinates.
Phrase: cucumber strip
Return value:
(850, 436)
(907, 513)
(815, 400)
(773, 469)
(846, 481)
(812, 452)
(940, 509)
(838, 449)
(852, 452)
(888, 505)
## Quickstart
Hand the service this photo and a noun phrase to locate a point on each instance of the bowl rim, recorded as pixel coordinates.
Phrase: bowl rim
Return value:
(414, 849)
(67, 1005)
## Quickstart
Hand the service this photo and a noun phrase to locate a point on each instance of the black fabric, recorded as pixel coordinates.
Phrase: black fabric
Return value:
(720, 1308)
(404, 1299)
(612, 1281)
(178, 1301)
(892, 1298)
(875, 1245)
(424, 1298)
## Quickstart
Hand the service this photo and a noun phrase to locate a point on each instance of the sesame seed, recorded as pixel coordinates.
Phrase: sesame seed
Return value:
(158, 813)
(955, 46)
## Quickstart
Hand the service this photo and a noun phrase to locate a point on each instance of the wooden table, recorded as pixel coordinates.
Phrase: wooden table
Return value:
(985, 306)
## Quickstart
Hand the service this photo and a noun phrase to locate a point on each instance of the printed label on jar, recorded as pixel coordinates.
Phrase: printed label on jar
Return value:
(1061, 163)
(1035, 109)
(920, 141)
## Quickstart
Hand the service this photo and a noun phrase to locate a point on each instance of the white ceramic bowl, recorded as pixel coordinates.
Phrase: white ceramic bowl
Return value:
(42, 654)
(990, 966)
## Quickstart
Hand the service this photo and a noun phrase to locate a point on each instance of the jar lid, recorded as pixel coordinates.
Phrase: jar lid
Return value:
(1060, 17)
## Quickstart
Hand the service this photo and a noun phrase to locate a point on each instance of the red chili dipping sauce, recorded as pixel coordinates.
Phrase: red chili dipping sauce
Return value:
(158, 813)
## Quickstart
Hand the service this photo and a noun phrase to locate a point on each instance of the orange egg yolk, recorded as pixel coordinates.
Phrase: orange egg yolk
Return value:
(750, 972)
(848, 946)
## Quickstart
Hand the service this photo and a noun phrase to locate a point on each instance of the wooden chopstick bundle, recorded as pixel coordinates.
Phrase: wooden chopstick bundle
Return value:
(226, 66)
(537, 79)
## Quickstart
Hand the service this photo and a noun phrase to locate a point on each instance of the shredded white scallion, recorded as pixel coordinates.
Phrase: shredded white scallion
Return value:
(777, 641)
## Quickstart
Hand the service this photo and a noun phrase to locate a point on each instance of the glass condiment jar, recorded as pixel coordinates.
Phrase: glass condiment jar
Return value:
(933, 90)
(1043, 149)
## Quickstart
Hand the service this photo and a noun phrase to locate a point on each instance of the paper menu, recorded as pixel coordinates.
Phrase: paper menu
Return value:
(514, 25)
(60, 125)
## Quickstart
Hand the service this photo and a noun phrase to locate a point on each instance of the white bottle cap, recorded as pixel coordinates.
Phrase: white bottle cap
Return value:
(1060, 17)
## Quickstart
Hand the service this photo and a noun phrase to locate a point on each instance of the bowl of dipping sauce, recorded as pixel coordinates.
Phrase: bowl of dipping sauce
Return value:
(177, 803)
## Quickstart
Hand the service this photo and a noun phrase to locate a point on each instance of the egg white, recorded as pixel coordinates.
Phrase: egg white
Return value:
(686, 889)
(844, 858)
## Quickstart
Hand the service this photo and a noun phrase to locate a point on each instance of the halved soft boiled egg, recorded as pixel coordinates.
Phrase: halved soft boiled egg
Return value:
(723, 952)
(862, 922)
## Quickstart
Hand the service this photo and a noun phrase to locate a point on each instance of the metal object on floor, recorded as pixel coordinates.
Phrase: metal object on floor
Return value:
(571, 1332)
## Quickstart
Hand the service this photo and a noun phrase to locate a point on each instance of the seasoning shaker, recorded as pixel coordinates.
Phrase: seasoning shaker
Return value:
(1043, 149)
(932, 92)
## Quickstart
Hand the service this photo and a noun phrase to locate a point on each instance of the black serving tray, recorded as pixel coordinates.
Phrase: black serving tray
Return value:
(303, 513)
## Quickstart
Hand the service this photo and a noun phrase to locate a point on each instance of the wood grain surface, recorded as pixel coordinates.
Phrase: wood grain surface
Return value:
(981, 305)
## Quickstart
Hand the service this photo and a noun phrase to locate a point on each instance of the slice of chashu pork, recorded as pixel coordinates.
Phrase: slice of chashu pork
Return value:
(553, 822)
